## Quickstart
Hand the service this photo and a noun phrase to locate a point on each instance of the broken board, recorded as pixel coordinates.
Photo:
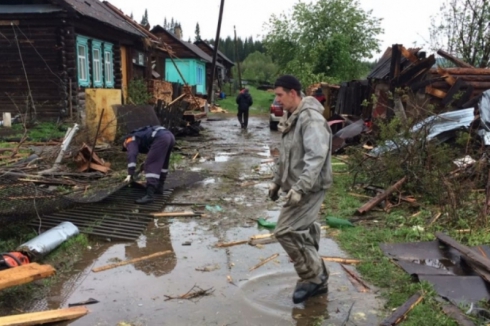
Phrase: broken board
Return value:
(24, 274)
(44, 317)
(95, 101)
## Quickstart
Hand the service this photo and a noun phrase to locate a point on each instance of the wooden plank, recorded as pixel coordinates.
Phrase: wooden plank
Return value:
(9, 22)
(479, 263)
(95, 101)
(340, 260)
(401, 313)
(131, 261)
(175, 214)
(395, 64)
(263, 262)
(455, 89)
(456, 314)
(24, 274)
(230, 244)
(44, 317)
(456, 61)
(416, 70)
(444, 73)
(435, 92)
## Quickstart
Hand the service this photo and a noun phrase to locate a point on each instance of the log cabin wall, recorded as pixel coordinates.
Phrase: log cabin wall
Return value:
(33, 64)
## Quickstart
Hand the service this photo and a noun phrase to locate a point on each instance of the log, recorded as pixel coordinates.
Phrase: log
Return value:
(230, 244)
(448, 78)
(177, 99)
(24, 274)
(456, 61)
(265, 261)
(480, 264)
(131, 261)
(44, 317)
(346, 261)
(175, 214)
(408, 55)
(453, 91)
(401, 313)
(379, 198)
(467, 71)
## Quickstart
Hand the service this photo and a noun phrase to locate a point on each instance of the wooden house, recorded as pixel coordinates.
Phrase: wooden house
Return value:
(52, 50)
(225, 73)
(189, 64)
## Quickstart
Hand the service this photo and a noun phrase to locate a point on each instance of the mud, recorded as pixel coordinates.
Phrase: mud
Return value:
(237, 164)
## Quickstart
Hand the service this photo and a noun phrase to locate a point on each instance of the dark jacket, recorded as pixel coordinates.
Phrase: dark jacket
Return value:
(244, 100)
(139, 141)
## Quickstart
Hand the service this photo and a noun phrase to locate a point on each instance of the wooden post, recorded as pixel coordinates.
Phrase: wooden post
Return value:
(7, 120)
(237, 60)
(215, 52)
(70, 99)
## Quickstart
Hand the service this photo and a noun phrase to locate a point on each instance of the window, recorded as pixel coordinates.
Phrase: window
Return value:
(108, 65)
(200, 76)
(97, 64)
(98, 69)
(82, 53)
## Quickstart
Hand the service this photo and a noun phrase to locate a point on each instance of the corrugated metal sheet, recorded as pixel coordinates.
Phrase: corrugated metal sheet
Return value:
(28, 9)
(97, 10)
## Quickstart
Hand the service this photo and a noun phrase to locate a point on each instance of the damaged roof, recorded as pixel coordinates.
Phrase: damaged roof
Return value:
(28, 9)
(382, 68)
(97, 10)
(211, 47)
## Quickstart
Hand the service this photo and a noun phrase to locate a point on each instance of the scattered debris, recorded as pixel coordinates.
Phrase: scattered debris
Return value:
(379, 198)
(266, 224)
(24, 274)
(131, 261)
(401, 313)
(366, 288)
(231, 244)
(193, 293)
(187, 243)
(456, 314)
(176, 214)
(263, 262)
(86, 155)
(335, 222)
(208, 268)
(44, 317)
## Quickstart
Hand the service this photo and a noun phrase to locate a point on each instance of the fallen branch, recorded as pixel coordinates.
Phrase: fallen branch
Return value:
(131, 261)
(191, 295)
(379, 198)
(347, 261)
(401, 313)
(354, 276)
(265, 261)
(44, 317)
(435, 218)
(230, 244)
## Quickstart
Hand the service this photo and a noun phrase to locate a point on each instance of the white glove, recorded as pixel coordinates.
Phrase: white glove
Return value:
(293, 198)
(128, 178)
(274, 191)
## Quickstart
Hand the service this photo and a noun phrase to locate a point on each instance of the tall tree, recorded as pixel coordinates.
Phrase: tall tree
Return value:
(144, 20)
(165, 24)
(304, 42)
(131, 16)
(259, 68)
(462, 28)
(198, 33)
(172, 25)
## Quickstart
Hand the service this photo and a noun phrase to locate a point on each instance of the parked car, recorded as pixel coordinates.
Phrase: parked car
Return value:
(276, 112)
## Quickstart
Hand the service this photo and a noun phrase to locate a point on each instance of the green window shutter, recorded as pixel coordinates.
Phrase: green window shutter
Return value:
(82, 61)
(108, 66)
(97, 68)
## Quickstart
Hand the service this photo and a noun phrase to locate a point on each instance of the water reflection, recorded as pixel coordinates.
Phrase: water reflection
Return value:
(312, 312)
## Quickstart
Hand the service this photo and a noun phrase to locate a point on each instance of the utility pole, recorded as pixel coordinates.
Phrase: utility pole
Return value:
(237, 60)
(215, 53)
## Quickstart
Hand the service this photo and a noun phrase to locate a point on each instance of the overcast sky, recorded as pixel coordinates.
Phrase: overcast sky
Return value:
(404, 22)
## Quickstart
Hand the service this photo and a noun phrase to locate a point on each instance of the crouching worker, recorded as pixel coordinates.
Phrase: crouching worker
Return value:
(157, 142)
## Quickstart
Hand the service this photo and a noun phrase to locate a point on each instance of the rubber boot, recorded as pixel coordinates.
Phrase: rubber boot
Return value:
(306, 290)
(149, 197)
(161, 183)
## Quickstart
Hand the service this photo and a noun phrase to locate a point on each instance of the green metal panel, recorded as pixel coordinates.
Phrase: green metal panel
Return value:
(189, 69)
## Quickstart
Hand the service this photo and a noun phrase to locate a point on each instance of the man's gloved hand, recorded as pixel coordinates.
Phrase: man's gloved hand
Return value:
(293, 198)
(274, 191)
(129, 178)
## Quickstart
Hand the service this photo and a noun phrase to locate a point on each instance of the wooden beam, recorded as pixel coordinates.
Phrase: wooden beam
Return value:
(455, 89)
(44, 317)
(131, 261)
(24, 274)
(395, 64)
(379, 198)
(456, 61)
(456, 314)
(340, 260)
(408, 55)
(448, 78)
(435, 92)
(401, 313)
(416, 70)
(175, 214)
(468, 71)
(263, 262)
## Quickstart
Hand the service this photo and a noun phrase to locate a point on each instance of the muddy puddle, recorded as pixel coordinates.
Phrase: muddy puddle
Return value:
(137, 294)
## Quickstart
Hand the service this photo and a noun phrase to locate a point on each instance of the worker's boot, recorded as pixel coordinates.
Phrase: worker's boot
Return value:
(305, 290)
(149, 197)
(161, 183)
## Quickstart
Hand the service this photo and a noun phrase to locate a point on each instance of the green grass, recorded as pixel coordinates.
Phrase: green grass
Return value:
(43, 131)
(363, 242)
(262, 101)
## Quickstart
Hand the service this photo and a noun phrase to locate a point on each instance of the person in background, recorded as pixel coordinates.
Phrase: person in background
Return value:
(319, 96)
(244, 101)
(157, 142)
(304, 171)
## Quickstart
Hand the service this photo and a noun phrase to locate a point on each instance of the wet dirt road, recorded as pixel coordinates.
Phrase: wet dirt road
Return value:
(236, 163)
